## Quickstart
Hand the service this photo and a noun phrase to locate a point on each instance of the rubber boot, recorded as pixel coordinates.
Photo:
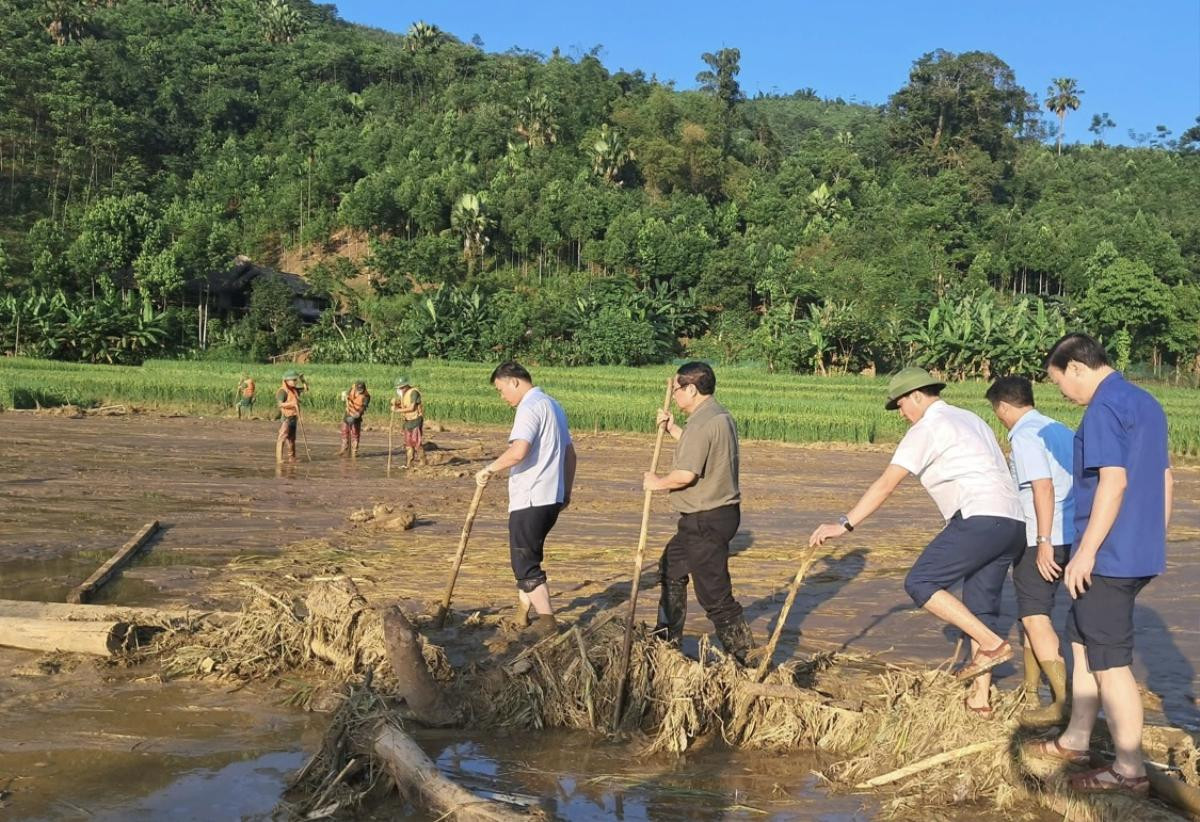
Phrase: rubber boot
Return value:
(672, 610)
(1058, 711)
(523, 614)
(408, 457)
(543, 626)
(1033, 674)
(736, 639)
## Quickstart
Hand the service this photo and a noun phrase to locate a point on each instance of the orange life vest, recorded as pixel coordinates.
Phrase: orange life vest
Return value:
(356, 403)
(409, 411)
(290, 406)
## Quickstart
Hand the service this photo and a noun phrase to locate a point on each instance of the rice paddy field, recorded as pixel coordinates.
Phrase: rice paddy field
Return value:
(767, 406)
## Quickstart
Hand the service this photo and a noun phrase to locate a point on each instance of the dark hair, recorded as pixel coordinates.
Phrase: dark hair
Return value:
(699, 374)
(1076, 347)
(928, 390)
(510, 369)
(1016, 391)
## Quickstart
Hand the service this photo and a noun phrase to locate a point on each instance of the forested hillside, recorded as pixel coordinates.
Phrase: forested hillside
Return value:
(458, 203)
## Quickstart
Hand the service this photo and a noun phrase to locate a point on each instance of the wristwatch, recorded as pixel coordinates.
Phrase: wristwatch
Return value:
(1042, 539)
(844, 521)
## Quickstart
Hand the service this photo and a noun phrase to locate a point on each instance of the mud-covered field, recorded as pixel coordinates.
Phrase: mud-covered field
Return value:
(86, 739)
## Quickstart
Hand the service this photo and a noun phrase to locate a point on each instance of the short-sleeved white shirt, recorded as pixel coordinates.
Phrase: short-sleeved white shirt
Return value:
(539, 479)
(1043, 448)
(955, 455)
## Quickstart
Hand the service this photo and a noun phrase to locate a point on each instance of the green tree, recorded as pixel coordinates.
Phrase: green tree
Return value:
(956, 99)
(1100, 124)
(1062, 96)
(720, 78)
(1125, 295)
(66, 21)
(470, 219)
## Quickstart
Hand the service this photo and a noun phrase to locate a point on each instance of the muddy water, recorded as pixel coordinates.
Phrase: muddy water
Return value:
(71, 491)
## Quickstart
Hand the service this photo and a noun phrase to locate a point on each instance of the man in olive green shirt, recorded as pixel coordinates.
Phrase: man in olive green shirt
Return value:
(704, 490)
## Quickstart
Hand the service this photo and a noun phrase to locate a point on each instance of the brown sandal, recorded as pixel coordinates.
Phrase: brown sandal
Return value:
(983, 713)
(983, 661)
(1090, 782)
(1053, 749)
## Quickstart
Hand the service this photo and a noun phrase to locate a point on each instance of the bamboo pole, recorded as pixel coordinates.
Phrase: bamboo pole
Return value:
(391, 428)
(765, 662)
(439, 620)
(627, 645)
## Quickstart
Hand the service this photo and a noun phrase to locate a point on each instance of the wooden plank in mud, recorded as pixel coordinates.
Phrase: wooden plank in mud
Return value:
(109, 569)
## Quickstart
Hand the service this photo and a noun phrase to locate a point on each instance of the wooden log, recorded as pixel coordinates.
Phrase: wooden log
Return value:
(109, 569)
(100, 638)
(421, 693)
(103, 613)
(1174, 791)
(416, 776)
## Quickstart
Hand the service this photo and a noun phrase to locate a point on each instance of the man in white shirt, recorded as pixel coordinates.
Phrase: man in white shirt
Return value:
(541, 457)
(956, 457)
(1042, 455)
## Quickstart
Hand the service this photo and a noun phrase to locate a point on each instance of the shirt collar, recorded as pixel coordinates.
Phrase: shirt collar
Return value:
(528, 394)
(1030, 417)
(1110, 382)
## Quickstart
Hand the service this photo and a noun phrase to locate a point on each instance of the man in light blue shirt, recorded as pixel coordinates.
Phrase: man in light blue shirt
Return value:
(1042, 456)
(540, 460)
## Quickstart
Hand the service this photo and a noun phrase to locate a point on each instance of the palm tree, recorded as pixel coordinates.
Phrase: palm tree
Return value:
(280, 22)
(1062, 96)
(422, 36)
(537, 123)
(721, 77)
(66, 21)
(609, 155)
(470, 220)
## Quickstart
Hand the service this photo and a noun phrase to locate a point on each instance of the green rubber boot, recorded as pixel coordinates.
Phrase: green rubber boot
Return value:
(1058, 711)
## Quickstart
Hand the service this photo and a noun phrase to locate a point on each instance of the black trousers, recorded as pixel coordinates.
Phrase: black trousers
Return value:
(527, 531)
(700, 550)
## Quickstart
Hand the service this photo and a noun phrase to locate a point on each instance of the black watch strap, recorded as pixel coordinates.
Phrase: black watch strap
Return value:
(845, 522)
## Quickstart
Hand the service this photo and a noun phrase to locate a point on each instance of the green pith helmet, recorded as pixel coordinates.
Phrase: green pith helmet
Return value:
(402, 382)
(292, 374)
(907, 380)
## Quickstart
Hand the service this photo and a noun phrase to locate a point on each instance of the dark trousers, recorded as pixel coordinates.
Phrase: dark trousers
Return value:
(976, 550)
(527, 531)
(700, 550)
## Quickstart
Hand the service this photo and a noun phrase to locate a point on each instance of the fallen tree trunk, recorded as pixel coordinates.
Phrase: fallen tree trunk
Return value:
(101, 638)
(417, 777)
(421, 693)
(85, 629)
(11, 608)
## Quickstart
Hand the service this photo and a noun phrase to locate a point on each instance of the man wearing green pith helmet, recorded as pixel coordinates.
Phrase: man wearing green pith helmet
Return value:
(288, 400)
(411, 407)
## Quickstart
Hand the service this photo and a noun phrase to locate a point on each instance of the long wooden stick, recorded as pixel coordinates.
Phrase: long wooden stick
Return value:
(929, 762)
(439, 619)
(109, 569)
(627, 645)
(391, 426)
(303, 433)
(765, 662)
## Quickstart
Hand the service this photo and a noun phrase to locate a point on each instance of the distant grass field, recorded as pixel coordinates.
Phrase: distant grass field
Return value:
(782, 407)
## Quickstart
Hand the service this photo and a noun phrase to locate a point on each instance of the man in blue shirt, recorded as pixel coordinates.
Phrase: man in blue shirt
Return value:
(1042, 455)
(1123, 494)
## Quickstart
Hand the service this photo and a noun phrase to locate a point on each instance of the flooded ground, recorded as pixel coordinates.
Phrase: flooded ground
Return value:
(73, 490)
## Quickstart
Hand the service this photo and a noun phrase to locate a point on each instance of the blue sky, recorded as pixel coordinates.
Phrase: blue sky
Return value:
(1138, 62)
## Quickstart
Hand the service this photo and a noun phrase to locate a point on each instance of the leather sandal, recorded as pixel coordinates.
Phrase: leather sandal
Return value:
(983, 713)
(983, 661)
(1091, 782)
(1052, 749)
